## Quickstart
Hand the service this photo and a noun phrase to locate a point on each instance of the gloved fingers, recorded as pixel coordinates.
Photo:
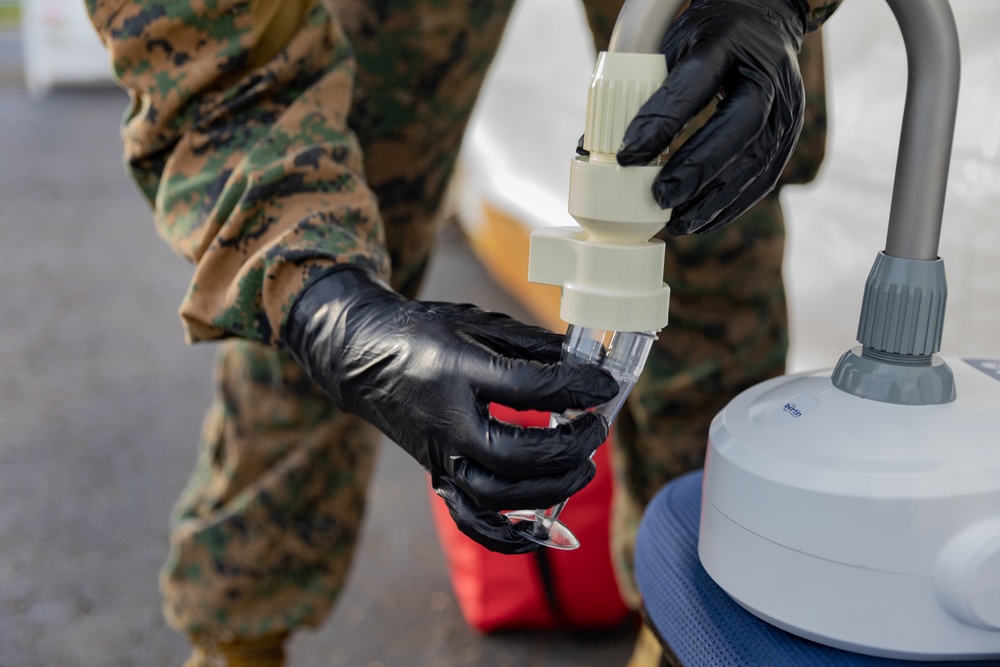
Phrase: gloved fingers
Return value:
(530, 385)
(501, 333)
(743, 182)
(491, 491)
(756, 191)
(487, 527)
(518, 452)
(510, 338)
(704, 213)
(724, 139)
(687, 90)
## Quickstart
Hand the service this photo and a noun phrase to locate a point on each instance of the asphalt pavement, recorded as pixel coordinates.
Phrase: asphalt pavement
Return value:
(100, 407)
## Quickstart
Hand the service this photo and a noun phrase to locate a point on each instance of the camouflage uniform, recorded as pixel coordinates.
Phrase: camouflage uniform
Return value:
(245, 135)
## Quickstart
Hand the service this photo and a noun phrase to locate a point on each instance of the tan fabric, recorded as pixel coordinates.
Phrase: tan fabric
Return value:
(265, 651)
(647, 651)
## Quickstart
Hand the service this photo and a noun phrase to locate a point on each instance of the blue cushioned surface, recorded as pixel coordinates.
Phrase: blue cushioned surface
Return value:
(703, 626)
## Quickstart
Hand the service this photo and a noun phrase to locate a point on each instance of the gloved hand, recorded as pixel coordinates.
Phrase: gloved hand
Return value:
(425, 374)
(744, 51)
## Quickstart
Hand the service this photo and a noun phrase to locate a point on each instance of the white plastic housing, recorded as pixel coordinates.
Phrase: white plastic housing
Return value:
(863, 525)
(620, 85)
(612, 286)
(615, 204)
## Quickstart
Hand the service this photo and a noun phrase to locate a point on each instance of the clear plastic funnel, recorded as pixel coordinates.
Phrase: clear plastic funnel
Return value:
(622, 354)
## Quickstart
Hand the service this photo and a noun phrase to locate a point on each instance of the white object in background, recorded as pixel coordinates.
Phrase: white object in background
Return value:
(60, 46)
(528, 119)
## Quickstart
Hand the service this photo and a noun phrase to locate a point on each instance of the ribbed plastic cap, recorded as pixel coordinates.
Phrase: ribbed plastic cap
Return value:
(621, 84)
(903, 307)
(902, 315)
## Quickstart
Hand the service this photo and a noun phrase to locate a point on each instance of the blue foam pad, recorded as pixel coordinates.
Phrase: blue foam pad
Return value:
(702, 625)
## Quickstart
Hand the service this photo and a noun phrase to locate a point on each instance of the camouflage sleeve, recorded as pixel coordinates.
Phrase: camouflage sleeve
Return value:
(237, 135)
(819, 12)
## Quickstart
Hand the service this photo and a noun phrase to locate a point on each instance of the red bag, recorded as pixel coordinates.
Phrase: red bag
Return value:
(547, 588)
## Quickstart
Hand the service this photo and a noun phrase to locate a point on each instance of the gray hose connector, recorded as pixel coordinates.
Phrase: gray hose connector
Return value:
(900, 334)
(903, 308)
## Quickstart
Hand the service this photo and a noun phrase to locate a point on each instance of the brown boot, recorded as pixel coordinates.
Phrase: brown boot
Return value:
(266, 651)
(647, 651)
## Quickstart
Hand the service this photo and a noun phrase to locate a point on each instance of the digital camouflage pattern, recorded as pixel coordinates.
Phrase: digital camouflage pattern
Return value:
(245, 135)
(262, 537)
(243, 151)
(819, 12)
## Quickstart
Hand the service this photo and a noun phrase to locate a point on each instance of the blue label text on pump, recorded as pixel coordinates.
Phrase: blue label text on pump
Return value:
(793, 408)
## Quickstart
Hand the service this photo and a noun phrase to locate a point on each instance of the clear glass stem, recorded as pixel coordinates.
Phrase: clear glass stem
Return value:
(544, 519)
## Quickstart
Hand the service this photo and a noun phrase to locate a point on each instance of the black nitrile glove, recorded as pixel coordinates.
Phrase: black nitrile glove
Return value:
(425, 373)
(745, 51)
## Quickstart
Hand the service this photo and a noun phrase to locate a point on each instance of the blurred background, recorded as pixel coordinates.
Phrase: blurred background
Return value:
(101, 401)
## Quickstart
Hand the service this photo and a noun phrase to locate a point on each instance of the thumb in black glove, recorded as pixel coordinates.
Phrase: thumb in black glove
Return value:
(425, 374)
(744, 51)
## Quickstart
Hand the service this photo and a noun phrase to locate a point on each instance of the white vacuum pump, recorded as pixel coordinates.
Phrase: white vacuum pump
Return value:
(860, 507)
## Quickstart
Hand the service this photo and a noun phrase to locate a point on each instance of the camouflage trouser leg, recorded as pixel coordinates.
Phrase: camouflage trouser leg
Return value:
(263, 535)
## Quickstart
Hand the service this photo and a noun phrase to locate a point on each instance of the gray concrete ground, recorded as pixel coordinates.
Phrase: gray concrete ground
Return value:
(100, 407)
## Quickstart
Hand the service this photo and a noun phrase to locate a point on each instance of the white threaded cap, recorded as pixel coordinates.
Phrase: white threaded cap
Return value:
(621, 84)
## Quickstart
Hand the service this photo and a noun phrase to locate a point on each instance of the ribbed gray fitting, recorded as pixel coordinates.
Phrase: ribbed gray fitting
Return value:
(903, 307)
(900, 331)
